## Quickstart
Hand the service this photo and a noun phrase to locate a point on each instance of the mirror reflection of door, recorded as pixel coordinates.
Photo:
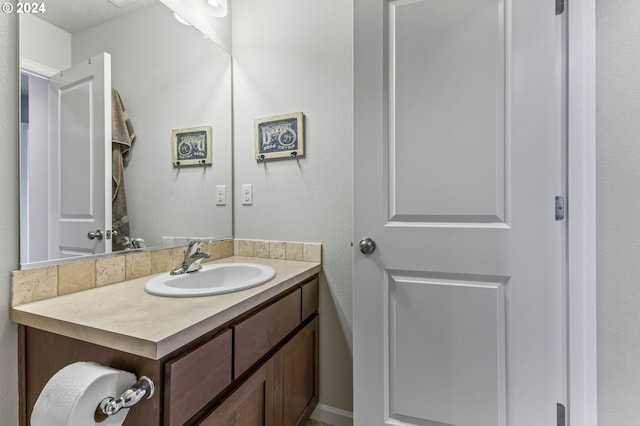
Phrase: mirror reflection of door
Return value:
(164, 87)
(67, 127)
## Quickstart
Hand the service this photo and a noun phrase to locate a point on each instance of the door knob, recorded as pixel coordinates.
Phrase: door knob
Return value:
(367, 245)
(98, 234)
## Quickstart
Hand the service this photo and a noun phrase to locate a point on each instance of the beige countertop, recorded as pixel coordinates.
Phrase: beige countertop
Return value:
(123, 317)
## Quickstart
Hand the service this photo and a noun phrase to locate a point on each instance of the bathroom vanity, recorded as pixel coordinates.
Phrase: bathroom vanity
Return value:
(244, 358)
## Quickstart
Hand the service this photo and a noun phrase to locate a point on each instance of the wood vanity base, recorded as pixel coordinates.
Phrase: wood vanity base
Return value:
(221, 378)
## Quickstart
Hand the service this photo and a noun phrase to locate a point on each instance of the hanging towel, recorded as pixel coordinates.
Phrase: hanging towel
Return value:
(122, 137)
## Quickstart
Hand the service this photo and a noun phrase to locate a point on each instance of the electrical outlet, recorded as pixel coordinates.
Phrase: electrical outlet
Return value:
(247, 194)
(221, 195)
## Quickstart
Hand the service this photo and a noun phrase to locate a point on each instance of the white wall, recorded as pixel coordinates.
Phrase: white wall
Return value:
(34, 145)
(618, 211)
(9, 223)
(44, 43)
(169, 77)
(289, 56)
(311, 200)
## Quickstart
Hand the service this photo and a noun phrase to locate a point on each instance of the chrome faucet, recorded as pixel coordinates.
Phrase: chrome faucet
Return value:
(192, 258)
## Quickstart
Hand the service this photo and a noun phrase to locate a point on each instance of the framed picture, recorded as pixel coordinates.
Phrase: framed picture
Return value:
(281, 136)
(192, 147)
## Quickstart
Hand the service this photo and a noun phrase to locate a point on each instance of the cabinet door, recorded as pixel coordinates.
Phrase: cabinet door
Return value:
(296, 369)
(251, 404)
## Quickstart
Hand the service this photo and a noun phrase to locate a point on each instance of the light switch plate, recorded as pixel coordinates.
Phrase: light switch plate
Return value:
(221, 195)
(247, 194)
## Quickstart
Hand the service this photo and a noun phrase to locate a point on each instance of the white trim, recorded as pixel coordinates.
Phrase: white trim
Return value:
(581, 212)
(333, 416)
(36, 68)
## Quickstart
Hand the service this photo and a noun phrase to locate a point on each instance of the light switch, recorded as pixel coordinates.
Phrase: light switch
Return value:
(247, 194)
(221, 195)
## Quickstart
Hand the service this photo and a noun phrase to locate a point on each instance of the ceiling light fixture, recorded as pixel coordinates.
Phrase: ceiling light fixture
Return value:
(122, 3)
(210, 17)
(217, 8)
(181, 19)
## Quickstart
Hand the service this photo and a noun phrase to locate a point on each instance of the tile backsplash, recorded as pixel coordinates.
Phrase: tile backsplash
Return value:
(31, 285)
(283, 250)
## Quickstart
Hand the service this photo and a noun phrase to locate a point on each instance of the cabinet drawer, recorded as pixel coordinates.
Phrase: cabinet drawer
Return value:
(310, 297)
(196, 378)
(258, 334)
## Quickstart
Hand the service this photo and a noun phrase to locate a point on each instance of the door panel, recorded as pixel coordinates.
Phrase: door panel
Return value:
(447, 89)
(459, 313)
(447, 348)
(76, 195)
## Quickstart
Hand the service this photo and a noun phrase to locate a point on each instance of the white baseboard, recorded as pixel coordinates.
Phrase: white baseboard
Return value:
(333, 416)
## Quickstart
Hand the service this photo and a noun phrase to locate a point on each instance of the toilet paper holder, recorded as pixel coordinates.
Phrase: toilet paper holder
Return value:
(142, 389)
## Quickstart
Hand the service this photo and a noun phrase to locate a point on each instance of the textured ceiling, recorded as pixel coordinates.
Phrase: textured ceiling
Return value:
(76, 15)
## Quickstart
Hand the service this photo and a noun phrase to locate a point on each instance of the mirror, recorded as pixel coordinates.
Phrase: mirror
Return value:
(168, 77)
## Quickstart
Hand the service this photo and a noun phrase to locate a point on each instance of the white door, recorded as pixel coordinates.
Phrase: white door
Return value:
(459, 313)
(80, 129)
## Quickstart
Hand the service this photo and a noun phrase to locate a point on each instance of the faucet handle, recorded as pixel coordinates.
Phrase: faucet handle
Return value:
(194, 246)
(194, 250)
(193, 256)
(198, 242)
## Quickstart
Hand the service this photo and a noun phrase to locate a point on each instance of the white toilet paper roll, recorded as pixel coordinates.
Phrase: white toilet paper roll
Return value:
(71, 396)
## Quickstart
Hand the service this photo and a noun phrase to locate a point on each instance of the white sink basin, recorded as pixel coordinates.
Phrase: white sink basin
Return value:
(212, 279)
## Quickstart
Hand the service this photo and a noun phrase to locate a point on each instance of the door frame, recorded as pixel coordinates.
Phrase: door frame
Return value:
(581, 208)
(30, 67)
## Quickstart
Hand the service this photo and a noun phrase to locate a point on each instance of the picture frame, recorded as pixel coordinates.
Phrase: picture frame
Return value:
(192, 146)
(280, 136)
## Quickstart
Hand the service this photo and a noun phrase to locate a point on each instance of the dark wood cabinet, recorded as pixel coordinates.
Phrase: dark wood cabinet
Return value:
(195, 378)
(251, 404)
(42, 354)
(258, 334)
(296, 377)
(260, 369)
(282, 392)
